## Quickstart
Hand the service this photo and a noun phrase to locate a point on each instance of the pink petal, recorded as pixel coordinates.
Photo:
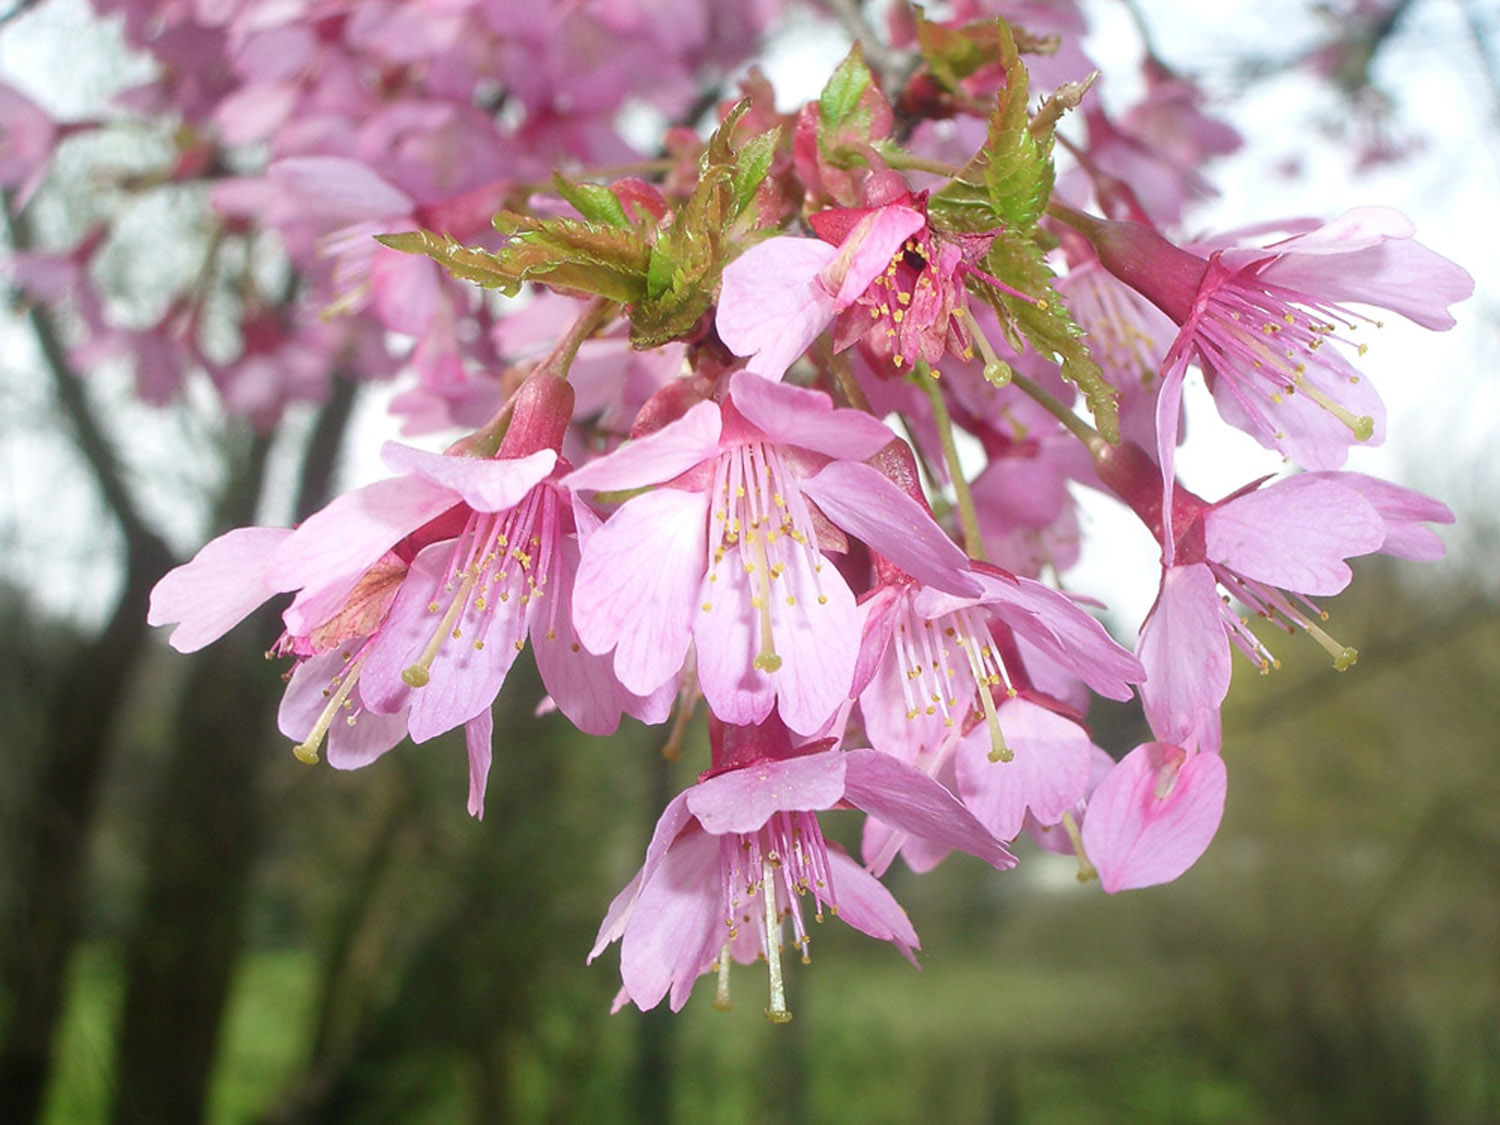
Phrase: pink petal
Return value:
(1368, 256)
(637, 587)
(221, 586)
(1186, 655)
(675, 920)
(726, 630)
(582, 683)
(485, 485)
(867, 251)
(865, 904)
(353, 745)
(1294, 533)
(1168, 425)
(816, 629)
(307, 694)
(1047, 773)
(463, 677)
(1153, 816)
(771, 305)
(1403, 511)
(335, 187)
(478, 736)
(1063, 632)
(906, 798)
(865, 503)
(742, 800)
(1297, 426)
(807, 419)
(353, 532)
(657, 457)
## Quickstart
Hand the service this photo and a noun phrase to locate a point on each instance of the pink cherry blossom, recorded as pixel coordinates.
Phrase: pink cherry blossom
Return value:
(730, 554)
(1266, 323)
(731, 857)
(426, 586)
(778, 296)
(1271, 548)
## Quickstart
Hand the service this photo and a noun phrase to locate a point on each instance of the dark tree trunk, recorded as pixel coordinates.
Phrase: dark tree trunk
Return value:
(50, 844)
(199, 853)
(204, 839)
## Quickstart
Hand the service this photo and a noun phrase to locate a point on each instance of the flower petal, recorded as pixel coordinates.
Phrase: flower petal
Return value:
(1153, 816)
(218, 588)
(1047, 773)
(772, 305)
(1294, 533)
(485, 484)
(742, 800)
(674, 918)
(906, 798)
(350, 534)
(865, 503)
(470, 664)
(807, 419)
(637, 587)
(865, 904)
(1186, 655)
(1403, 512)
(479, 733)
(657, 457)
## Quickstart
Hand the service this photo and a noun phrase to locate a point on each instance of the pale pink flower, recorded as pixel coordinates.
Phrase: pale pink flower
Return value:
(27, 139)
(732, 856)
(1265, 324)
(731, 555)
(414, 595)
(778, 296)
(942, 685)
(1271, 548)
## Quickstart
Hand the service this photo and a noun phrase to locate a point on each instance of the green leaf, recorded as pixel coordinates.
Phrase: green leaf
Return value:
(1009, 180)
(594, 202)
(579, 257)
(750, 167)
(954, 53)
(691, 250)
(478, 266)
(1045, 322)
(840, 97)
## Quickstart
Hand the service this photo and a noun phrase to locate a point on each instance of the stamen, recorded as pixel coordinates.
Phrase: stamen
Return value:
(1085, 868)
(766, 660)
(1344, 656)
(418, 674)
(777, 1012)
(1362, 426)
(307, 750)
(721, 990)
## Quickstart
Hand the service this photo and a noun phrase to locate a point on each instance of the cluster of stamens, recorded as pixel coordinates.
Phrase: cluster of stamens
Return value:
(761, 519)
(779, 863)
(1116, 318)
(1282, 610)
(1280, 338)
(499, 565)
(950, 666)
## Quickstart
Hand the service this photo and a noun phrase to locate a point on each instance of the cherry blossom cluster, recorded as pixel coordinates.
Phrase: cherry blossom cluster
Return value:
(711, 452)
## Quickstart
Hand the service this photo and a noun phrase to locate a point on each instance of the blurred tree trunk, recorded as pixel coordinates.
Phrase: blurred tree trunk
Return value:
(50, 845)
(204, 837)
(48, 842)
